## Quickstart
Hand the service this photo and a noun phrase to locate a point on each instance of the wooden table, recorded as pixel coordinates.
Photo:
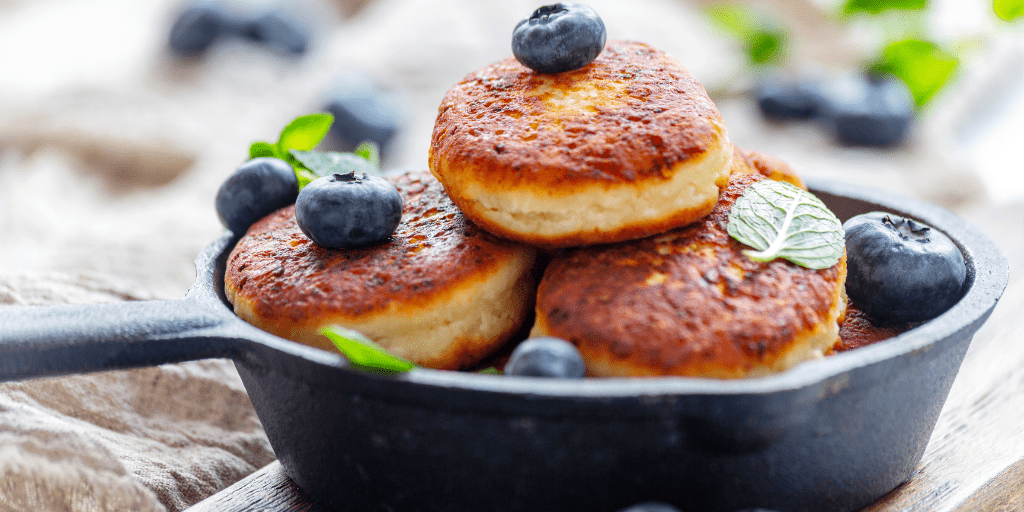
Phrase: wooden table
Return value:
(974, 460)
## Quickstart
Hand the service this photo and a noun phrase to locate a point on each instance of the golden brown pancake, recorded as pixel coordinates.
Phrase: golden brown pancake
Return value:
(858, 330)
(746, 161)
(688, 302)
(441, 292)
(625, 147)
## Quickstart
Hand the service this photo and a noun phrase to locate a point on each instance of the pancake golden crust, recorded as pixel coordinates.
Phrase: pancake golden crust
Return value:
(510, 142)
(688, 302)
(281, 281)
(746, 161)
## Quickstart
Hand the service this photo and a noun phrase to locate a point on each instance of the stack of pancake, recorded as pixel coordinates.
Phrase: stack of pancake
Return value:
(590, 205)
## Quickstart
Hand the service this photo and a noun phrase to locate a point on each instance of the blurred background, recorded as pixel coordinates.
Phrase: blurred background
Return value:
(119, 119)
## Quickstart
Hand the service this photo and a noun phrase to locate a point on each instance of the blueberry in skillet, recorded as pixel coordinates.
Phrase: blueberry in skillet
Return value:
(869, 110)
(256, 189)
(546, 357)
(558, 37)
(196, 28)
(348, 210)
(899, 270)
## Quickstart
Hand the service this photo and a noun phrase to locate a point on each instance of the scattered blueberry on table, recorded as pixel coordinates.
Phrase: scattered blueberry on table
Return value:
(201, 23)
(858, 110)
(277, 30)
(789, 100)
(348, 210)
(364, 111)
(899, 270)
(257, 188)
(867, 110)
(546, 357)
(196, 28)
(559, 37)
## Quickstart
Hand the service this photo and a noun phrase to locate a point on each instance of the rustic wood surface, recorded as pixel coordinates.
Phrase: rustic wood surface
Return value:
(973, 462)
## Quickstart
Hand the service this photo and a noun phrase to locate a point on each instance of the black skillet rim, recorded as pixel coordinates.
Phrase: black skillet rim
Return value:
(988, 273)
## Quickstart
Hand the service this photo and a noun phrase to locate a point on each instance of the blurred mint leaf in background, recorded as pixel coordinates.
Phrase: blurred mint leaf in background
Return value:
(876, 6)
(370, 151)
(763, 42)
(922, 65)
(1008, 10)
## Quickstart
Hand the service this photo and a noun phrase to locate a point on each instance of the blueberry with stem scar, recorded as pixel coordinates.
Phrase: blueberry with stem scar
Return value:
(558, 37)
(899, 270)
(348, 210)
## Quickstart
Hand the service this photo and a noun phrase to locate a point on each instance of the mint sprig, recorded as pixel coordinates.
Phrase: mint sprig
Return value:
(363, 353)
(877, 6)
(922, 65)
(295, 146)
(780, 220)
(763, 42)
(1008, 10)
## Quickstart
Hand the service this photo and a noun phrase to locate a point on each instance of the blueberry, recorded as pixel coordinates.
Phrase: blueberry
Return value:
(363, 111)
(277, 30)
(348, 210)
(869, 110)
(899, 270)
(794, 100)
(558, 37)
(257, 188)
(651, 506)
(196, 28)
(546, 357)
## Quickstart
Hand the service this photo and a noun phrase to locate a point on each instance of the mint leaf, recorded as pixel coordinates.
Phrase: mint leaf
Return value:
(876, 6)
(1008, 10)
(370, 151)
(304, 133)
(261, 149)
(330, 162)
(363, 353)
(304, 176)
(922, 65)
(490, 370)
(783, 221)
(762, 41)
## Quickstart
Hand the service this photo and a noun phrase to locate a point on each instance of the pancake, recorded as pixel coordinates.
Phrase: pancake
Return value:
(688, 302)
(859, 330)
(625, 147)
(441, 292)
(746, 161)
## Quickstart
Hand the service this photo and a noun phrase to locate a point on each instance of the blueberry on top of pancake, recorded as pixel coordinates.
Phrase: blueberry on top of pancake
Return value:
(440, 292)
(689, 302)
(627, 146)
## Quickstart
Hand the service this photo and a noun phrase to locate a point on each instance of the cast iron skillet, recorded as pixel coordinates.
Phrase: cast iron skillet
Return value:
(833, 434)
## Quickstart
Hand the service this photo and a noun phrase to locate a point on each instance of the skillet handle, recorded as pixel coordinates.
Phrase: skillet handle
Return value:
(40, 341)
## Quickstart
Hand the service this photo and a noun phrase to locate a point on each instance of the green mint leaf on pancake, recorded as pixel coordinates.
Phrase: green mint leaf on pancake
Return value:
(370, 151)
(1008, 10)
(363, 353)
(304, 133)
(490, 370)
(261, 149)
(780, 220)
(330, 162)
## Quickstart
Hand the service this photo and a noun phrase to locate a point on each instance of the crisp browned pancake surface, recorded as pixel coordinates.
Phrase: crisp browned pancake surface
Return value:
(441, 292)
(746, 161)
(688, 302)
(627, 146)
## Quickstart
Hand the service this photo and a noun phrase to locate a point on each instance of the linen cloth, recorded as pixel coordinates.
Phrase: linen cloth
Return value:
(111, 153)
